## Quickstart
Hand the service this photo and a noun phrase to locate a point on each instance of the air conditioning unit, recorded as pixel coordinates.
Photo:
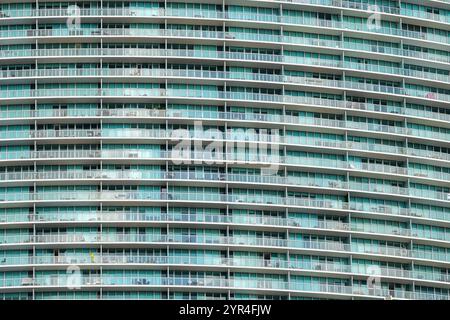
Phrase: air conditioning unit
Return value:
(333, 184)
(420, 175)
(135, 72)
(27, 282)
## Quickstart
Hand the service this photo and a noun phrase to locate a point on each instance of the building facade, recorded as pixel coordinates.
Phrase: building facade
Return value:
(225, 149)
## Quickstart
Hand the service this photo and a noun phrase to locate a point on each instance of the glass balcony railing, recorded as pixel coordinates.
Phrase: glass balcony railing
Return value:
(231, 136)
(217, 75)
(354, 5)
(220, 158)
(144, 280)
(230, 15)
(121, 259)
(209, 94)
(201, 13)
(338, 25)
(239, 116)
(396, 32)
(230, 178)
(292, 244)
(123, 216)
(396, 51)
(75, 52)
(425, 15)
(171, 196)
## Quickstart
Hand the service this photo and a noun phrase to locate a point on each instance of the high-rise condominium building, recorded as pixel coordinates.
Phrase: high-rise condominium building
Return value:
(225, 149)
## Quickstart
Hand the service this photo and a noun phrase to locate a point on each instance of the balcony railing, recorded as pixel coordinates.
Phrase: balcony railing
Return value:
(327, 245)
(328, 24)
(230, 135)
(123, 216)
(201, 13)
(241, 178)
(244, 16)
(232, 116)
(206, 94)
(132, 52)
(218, 75)
(140, 11)
(214, 261)
(144, 280)
(218, 158)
